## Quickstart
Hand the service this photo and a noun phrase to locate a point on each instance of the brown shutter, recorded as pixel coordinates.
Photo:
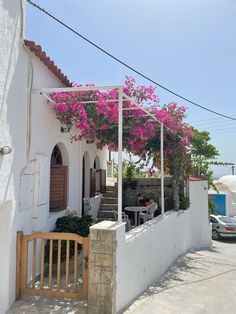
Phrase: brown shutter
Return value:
(92, 182)
(103, 178)
(58, 188)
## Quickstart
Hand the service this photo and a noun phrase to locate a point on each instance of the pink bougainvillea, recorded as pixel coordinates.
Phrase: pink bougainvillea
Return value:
(97, 121)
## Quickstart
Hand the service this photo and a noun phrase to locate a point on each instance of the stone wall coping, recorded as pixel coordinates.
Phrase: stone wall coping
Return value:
(107, 225)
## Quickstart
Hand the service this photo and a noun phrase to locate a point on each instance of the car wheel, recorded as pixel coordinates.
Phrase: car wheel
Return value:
(215, 235)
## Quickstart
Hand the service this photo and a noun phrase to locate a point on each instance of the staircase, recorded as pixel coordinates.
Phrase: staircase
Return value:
(109, 202)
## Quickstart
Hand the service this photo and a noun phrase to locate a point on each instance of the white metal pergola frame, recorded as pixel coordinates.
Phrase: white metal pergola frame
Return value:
(121, 99)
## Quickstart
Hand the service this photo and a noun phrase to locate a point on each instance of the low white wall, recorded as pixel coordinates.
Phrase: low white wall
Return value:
(146, 252)
(5, 253)
(94, 206)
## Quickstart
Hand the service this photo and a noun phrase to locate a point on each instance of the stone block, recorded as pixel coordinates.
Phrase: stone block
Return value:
(107, 276)
(94, 235)
(104, 259)
(95, 275)
(93, 293)
(104, 290)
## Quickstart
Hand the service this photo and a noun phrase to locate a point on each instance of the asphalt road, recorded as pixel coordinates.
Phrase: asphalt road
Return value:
(198, 283)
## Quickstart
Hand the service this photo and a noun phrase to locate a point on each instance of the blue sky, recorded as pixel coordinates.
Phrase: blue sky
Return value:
(188, 46)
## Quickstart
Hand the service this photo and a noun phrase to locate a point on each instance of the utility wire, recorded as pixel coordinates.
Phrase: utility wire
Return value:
(126, 65)
(219, 130)
(213, 125)
(205, 120)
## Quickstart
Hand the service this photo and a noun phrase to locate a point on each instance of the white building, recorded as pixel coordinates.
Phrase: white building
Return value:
(42, 155)
(226, 187)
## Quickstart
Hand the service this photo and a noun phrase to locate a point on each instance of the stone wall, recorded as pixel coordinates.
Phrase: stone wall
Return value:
(149, 188)
(102, 268)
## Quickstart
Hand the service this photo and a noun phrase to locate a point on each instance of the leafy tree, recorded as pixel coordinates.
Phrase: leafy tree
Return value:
(211, 206)
(130, 169)
(202, 152)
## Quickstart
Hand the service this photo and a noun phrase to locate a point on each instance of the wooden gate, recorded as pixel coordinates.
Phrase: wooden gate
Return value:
(40, 258)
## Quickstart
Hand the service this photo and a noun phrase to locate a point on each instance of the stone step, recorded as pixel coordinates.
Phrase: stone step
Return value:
(110, 188)
(110, 194)
(102, 219)
(109, 200)
(108, 207)
(106, 214)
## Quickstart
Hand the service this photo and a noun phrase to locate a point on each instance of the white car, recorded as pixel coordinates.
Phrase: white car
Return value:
(222, 227)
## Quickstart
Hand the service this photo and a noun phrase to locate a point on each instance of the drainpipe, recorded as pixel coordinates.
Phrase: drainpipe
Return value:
(28, 116)
(30, 84)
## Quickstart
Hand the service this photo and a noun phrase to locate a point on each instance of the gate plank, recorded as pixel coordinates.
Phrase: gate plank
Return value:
(34, 262)
(55, 236)
(42, 264)
(50, 265)
(75, 266)
(59, 266)
(51, 293)
(18, 263)
(85, 269)
(24, 265)
(67, 262)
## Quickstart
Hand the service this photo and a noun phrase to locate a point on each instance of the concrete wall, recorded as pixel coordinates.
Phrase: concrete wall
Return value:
(25, 178)
(146, 252)
(146, 187)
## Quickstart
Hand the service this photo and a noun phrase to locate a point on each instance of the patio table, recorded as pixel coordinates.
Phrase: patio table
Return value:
(136, 210)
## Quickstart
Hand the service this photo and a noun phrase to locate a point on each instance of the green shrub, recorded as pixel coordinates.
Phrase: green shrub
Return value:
(74, 224)
(184, 202)
(68, 224)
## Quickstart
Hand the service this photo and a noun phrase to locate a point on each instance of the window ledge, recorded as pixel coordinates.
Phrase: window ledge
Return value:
(57, 213)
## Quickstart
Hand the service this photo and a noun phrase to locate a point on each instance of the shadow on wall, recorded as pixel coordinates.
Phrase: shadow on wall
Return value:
(175, 276)
(7, 5)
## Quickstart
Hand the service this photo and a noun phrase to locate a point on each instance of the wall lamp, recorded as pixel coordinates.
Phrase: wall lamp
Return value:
(5, 150)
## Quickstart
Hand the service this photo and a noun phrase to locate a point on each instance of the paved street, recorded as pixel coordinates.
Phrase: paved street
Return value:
(36, 305)
(198, 283)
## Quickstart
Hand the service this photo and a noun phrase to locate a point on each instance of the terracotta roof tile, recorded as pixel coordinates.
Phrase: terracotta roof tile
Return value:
(37, 50)
(198, 178)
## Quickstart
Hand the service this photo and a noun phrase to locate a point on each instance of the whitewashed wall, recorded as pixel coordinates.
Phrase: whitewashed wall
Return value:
(146, 252)
(24, 185)
(13, 97)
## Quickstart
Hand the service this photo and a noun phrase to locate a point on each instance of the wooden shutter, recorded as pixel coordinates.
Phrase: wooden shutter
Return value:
(103, 178)
(58, 188)
(92, 182)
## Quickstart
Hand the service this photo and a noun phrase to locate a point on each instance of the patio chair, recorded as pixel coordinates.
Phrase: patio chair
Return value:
(125, 218)
(149, 213)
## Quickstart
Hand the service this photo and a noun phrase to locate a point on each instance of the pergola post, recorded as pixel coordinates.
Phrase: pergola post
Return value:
(120, 139)
(162, 172)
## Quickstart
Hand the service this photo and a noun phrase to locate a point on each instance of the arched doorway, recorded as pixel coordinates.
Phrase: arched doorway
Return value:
(85, 178)
(97, 167)
(58, 181)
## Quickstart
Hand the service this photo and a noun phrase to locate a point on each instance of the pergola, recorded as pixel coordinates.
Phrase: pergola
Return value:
(122, 98)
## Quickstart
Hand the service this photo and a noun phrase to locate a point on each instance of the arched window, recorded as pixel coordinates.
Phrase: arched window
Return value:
(58, 181)
(56, 157)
